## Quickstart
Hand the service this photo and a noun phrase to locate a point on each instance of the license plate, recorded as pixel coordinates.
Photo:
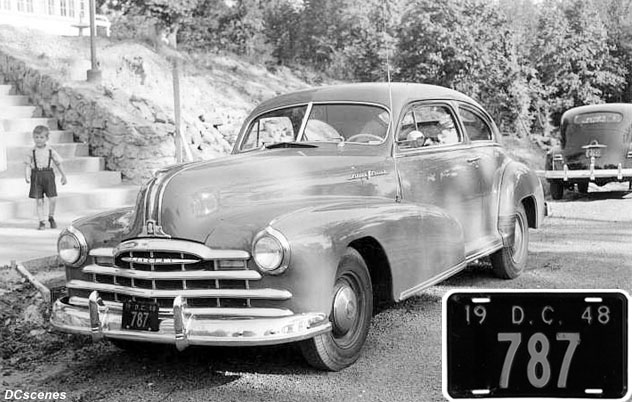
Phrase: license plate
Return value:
(536, 344)
(141, 316)
(593, 152)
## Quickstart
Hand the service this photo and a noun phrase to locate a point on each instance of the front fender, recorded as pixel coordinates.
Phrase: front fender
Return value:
(420, 242)
(105, 229)
(519, 185)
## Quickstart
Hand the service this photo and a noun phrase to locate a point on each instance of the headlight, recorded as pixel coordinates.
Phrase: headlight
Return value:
(271, 251)
(72, 247)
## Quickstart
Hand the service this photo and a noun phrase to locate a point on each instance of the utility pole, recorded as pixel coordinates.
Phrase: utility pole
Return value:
(94, 74)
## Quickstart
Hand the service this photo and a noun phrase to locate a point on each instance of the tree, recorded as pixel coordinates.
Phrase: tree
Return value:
(572, 57)
(465, 45)
(169, 16)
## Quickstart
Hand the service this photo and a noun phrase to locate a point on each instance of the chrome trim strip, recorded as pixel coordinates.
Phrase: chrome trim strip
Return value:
(487, 250)
(270, 294)
(83, 245)
(198, 311)
(199, 330)
(444, 275)
(285, 262)
(102, 252)
(444, 148)
(159, 260)
(301, 129)
(244, 275)
(180, 246)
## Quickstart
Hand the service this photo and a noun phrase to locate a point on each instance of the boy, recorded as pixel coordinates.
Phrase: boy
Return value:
(39, 172)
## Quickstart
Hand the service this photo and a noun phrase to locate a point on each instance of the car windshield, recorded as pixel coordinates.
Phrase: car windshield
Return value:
(353, 123)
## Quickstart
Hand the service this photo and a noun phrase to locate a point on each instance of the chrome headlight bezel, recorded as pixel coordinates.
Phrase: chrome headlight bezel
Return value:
(79, 239)
(275, 238)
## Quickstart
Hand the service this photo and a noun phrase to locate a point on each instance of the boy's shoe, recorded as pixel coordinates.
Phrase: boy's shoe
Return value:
(41, 226)
(53, 224)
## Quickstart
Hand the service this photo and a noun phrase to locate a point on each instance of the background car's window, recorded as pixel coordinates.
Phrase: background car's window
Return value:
(427, 125)
(475, 126)
(276, 126)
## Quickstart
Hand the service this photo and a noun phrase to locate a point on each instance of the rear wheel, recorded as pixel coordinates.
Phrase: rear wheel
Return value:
(350, 316)
(509, 262)
(582, 187)
(557, 190)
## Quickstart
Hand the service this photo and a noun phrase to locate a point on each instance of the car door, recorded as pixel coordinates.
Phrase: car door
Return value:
(487, 157)
(433, 162)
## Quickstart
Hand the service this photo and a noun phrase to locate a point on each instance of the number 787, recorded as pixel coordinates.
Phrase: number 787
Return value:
(538, 346)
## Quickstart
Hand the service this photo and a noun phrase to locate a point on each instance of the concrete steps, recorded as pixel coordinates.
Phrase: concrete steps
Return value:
(76, 165)
(65, 150)
(11, 187)
(25, 138)
(6, 89)
(17, 112)
(71, 202)
(13, 100)
(90, 188)
(26, 124)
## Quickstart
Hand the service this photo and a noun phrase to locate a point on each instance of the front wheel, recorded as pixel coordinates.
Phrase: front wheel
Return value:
(350, 316)
(509, 262)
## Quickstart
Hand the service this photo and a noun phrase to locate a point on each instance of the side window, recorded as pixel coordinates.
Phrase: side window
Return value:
(427, 125)
(475, 127)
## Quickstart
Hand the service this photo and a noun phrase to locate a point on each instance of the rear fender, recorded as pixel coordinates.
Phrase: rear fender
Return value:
(420, 241)
(519, 185)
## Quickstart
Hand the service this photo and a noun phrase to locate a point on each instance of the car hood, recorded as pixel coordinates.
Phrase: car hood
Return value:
(245, 192)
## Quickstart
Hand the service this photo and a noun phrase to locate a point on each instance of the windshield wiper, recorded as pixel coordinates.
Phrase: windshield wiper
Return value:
(290, 144)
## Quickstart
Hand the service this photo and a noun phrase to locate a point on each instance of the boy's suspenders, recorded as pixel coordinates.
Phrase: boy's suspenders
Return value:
(50, 157)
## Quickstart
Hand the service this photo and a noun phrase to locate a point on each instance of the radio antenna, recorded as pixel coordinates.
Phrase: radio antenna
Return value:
(398, 191)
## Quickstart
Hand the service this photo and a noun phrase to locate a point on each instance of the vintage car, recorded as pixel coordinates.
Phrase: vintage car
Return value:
(334, 199)
(595, 146)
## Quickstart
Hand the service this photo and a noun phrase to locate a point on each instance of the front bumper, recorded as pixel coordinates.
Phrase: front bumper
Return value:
(185, 326)
(591, 173)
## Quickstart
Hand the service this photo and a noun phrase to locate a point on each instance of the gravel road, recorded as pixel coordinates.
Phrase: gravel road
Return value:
(585, 243)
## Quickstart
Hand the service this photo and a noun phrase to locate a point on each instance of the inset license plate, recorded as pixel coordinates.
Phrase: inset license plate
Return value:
(140, 316)
(536, 344)
(593, 152)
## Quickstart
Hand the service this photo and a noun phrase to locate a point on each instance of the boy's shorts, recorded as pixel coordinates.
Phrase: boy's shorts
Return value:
(42, 182)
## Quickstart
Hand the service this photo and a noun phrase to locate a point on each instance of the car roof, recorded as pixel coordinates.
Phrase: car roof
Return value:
(624, 108)
(402, 94)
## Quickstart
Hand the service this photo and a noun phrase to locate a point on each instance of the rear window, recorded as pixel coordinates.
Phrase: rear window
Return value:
(598, 117)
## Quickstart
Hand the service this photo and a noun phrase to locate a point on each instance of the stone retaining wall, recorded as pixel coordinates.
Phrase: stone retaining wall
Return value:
(132, 134)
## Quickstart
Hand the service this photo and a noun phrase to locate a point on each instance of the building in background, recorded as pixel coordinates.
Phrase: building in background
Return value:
(60, 17)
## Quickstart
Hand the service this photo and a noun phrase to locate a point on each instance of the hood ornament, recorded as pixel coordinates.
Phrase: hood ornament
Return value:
(152, 229)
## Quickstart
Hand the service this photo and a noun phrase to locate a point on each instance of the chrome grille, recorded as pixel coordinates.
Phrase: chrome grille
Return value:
(212, 280)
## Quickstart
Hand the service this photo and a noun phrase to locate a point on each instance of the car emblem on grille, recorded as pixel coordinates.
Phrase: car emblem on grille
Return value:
(152, 229)
(159, 261)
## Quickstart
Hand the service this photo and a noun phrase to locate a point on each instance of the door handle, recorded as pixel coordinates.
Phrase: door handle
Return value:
(475, 159)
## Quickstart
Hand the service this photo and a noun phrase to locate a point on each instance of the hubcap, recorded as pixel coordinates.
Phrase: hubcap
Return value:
(518, 243)
(345, 309)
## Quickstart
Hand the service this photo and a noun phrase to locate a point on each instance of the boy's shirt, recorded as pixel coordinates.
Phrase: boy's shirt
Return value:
(41, 156)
